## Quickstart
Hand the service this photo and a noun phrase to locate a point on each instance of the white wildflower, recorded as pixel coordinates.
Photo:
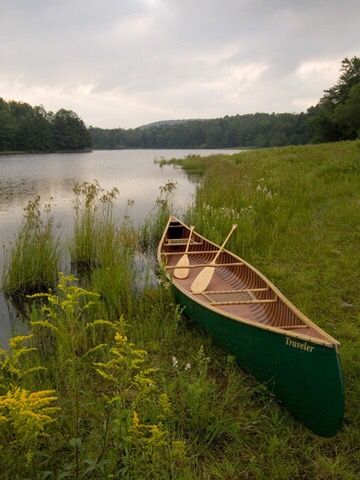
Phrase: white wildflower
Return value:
(187, 367)
(175, 362)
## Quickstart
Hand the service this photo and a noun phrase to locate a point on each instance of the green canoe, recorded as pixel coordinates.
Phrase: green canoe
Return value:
(252, 320)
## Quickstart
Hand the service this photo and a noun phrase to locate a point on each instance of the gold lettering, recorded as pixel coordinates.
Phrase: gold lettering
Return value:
(300, 345)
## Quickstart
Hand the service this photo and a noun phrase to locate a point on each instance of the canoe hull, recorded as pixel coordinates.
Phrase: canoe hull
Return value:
(306, 377)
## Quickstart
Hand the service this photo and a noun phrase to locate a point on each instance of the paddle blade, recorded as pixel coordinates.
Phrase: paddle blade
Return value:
(182, 272)
(202, 281)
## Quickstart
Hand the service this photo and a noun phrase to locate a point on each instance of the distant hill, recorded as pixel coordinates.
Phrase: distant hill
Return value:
(258, 129)
(163, 123)
(335, 117)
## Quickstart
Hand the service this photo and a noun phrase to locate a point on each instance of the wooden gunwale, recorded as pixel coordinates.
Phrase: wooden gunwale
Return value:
(326, 340)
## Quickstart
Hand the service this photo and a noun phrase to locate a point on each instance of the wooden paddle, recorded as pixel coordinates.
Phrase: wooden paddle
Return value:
(204, 278)
(183, 272)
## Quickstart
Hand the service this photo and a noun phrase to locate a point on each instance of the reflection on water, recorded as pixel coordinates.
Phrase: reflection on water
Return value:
(133, 172)
(11, 322)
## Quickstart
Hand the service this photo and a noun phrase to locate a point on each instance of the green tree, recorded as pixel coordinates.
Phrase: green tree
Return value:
(7, 127)
(347, 114)
(336, 116)
(70, 132)
(32, 129)
(349, 77)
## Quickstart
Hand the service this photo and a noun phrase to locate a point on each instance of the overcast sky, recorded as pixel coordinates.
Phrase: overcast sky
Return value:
(124, 63)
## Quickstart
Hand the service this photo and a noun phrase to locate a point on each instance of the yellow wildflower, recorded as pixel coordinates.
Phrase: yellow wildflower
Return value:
(28, 412)
(16, 341)
(135, 424)
(165, 403)
(178, 449)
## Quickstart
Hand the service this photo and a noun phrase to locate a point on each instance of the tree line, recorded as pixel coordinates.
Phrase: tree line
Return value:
(335, 117)
(33, 129)
(259, 129)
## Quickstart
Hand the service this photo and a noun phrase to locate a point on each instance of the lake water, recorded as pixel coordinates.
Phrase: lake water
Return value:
(133, 172)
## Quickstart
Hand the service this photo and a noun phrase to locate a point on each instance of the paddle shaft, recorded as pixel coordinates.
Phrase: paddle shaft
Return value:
(223, 245)
(190, 235)
(180, 271)
(204, 278)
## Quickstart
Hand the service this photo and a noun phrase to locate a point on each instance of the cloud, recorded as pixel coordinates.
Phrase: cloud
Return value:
(129, 62)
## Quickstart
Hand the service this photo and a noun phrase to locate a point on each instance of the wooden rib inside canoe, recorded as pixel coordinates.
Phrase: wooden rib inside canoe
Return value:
(257, 324)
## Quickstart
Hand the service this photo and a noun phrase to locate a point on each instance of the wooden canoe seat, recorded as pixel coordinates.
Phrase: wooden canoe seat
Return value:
(235, 297)
(175, 242)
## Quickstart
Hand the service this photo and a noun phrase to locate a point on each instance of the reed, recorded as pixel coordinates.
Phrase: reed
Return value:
(32, 260)
(113, 276)
(153, 226)
(94, 229)
(102, 251)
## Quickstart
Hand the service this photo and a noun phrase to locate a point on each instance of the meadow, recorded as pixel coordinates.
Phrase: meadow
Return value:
(113, 382)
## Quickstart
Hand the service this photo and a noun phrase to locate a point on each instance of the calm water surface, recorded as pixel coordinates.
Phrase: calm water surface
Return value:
(133, 172)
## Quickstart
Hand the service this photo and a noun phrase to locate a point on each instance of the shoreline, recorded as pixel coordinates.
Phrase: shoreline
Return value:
(24, 152)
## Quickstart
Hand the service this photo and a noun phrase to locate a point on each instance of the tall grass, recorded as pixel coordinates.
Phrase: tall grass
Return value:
(94, 229)
(32, 260)
(152, 228)
(102, 249)
(298, 216)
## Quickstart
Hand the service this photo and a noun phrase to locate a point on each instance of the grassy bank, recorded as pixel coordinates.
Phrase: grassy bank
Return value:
(298, 214)
(113, 383)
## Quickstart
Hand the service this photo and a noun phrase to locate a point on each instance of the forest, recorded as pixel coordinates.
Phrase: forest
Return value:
(335, 117)
(259, 129)
(24, 128)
